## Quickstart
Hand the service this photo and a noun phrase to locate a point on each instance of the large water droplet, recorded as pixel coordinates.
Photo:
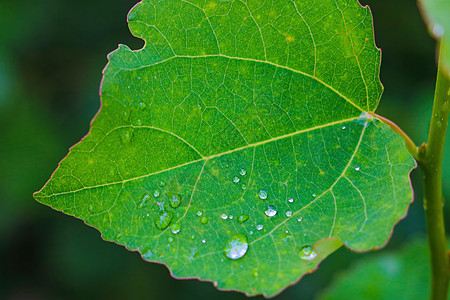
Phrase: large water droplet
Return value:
(262, 194)
(271, 211)
(236, 247)
(307, 253)
(242, 218)
(144, 201)
(242, 172)
(175, 228)
(163, 220)
(174, 200)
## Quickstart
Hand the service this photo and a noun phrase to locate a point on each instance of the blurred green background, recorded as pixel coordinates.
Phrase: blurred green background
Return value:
(51, 57)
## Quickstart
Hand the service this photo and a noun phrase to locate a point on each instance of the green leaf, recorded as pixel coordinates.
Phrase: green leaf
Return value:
(403, 274)
(235, 147)
(436, 14)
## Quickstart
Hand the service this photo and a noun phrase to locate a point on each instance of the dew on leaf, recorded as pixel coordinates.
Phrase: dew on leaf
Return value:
(307, 253)
(242, 218)
(259, 226)
(174, 200)
(291, 200)
(230, 217)
(170, 239)
(289, 213)
(236, 179)
(204, 220)
(262, 194)
(224, 216)
(343, 127)
(244, 186)
(163, 220)
(204, 241)
(199, 213)
(242, 172)
(144, 200)
(271, 211)
(161, 183)
(156, 193)
(175, 228)
(148, 253)
(236, 247)
(364, 119)
(357, 168)
(300, 219)
(142, 105)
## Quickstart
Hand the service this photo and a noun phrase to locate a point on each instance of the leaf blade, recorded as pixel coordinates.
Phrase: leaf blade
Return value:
(195, 120)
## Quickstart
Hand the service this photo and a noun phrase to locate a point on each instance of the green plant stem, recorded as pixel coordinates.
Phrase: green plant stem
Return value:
(430, 161)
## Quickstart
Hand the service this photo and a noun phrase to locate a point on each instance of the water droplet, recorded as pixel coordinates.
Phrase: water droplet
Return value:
(289, 213)
(251, 232)
(193, 237)
(174, 200)
(91, 207)
(262, 194)
(175, 228)
(170, 239)
(138, 122)
(343, 127)
(259, 227)
(291, 200)
(236, 247)
(300, 219)
(199, 213)
(271, 211)
(142, 105)
(139, 77)
(307, 253)
(147, 253)
(156, 194)
(357, 168)
(364, 119)
(193, 254)
(244, 186)
(255, 274)
(204, 220)
(438, 31)
(242, 218)
(162, 183)
(144, 200)
(203, 241)
(236, 179)
(224, 216)
(314, 195)
(231, 217)
(242, 172)
(125, 136)
(287, 237)
(163, 220)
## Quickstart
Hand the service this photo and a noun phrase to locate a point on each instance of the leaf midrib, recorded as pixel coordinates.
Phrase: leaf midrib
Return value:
(206, 158)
